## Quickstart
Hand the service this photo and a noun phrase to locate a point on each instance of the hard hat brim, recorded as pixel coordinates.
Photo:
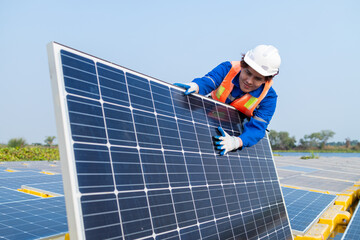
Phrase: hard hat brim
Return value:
(255, 66)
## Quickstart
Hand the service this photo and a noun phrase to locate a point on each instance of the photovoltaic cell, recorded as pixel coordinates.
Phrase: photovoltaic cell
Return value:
(352, 231)
(139, 160)
(305, 207)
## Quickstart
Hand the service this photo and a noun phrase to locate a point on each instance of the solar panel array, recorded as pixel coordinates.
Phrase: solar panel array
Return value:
(15, 180)
(305, 207)
(26, 216)
(353, 229)
(140, 162)
(33, 219)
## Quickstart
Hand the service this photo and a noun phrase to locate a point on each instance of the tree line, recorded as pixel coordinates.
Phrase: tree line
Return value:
(317, 140)
(21, 142)
(278, 140)
(17, 149)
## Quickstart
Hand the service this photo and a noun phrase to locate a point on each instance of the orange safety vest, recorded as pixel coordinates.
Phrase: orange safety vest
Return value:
(247, 103)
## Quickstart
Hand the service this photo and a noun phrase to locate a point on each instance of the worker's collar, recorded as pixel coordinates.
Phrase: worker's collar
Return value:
(235, 81)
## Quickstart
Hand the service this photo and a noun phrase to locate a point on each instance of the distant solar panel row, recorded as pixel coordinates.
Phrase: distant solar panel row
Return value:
(141, 163)
(305, 207)
(15, 180)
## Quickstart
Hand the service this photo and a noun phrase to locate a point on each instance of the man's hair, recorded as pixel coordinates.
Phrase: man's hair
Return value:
(245, 65)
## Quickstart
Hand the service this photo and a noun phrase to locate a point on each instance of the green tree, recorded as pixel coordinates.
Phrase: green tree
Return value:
(311, 141)
(317, 139)
(49, 140)
(281, 140)
(16, 142)
(273, 138)
(325, 135)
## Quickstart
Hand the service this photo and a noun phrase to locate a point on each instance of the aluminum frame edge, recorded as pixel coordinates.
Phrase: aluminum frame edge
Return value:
(72, 197)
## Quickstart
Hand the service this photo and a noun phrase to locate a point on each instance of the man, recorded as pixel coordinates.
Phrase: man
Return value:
(246, 85)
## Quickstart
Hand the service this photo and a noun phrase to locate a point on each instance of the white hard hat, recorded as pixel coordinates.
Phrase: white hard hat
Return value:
(264, 59)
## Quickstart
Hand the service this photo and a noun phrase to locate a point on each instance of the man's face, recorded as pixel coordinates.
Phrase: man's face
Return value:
(250, 80)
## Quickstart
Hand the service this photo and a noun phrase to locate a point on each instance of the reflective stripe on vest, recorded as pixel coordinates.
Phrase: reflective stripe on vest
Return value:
(247, 103)
(226, 86)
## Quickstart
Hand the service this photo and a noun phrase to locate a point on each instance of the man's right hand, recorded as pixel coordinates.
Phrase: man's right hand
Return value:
(190, 87)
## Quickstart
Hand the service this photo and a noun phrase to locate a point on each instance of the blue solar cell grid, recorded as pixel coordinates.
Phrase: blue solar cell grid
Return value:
(146, 166)
(8, 195)
(353, 229)
(26, 216)
(33, 219)
(15, 180)
(305, 207)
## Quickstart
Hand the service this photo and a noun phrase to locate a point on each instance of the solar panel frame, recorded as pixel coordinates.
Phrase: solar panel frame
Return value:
(74, 143)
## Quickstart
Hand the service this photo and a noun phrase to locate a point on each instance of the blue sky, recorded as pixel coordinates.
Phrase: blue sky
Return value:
(176, 41)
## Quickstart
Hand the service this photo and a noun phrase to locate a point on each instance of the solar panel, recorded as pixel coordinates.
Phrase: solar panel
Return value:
(15, 180)
(26, 216)
(352, 231)
(33, 218)
(139, 163)
(11, 195)
(304, 207)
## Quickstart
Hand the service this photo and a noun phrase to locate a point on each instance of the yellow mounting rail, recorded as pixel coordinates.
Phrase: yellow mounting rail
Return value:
(36, 193)
(48, 173)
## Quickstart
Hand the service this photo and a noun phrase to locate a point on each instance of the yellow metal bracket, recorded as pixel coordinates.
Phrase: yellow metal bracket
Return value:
(36, 193)
(318, 231)
(353, 192)
(334, 216)
(48, 173)
(344, 201)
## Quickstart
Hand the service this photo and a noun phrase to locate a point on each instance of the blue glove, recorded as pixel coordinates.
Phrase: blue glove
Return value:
(190, 87)
(227, 143)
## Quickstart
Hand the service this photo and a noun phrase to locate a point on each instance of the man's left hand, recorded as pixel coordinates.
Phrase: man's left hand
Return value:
(227, 143)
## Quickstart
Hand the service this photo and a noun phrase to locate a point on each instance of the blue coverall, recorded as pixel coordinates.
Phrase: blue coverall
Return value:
(254, 129)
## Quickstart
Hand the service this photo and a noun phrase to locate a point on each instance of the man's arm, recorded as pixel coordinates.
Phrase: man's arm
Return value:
(254, 130)
(213, 79)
